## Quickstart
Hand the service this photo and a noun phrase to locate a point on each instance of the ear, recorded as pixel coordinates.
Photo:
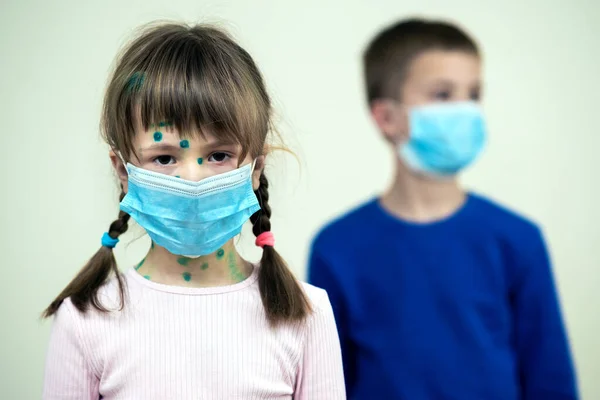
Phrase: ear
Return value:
(391, 119)
(120, 169)
(258, 170)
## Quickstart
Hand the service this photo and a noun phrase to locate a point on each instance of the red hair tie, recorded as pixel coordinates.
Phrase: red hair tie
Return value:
(265, 239)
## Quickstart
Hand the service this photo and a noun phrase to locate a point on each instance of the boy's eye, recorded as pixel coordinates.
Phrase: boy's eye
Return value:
(475, 95)
(164, 160)
(442, 95)
(218, 157)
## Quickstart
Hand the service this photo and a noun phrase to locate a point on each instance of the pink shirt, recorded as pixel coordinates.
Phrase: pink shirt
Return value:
(174, 342)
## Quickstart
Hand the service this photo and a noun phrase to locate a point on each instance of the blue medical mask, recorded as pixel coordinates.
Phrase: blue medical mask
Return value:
(190, 218)
(444, 138)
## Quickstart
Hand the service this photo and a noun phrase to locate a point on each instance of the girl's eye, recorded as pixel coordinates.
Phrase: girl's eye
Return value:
(218, 157)
(164, 160)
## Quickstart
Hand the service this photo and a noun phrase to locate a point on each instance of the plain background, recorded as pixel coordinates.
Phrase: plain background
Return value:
(542, 62)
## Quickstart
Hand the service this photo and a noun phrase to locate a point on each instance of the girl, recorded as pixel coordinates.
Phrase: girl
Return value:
(186, 115)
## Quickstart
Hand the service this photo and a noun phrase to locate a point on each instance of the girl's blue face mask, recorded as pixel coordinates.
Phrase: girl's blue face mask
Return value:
(190, 218)
(444, 138)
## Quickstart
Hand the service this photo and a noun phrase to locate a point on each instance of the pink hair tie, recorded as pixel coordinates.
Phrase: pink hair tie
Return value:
(265, 239)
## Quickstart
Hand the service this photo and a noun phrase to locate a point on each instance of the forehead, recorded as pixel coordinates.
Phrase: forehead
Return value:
(456, 66)
(166, 131)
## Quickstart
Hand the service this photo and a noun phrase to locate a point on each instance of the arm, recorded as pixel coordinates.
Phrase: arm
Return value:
(320, 275)
(320, 375)
(68, 374)
(545, 362)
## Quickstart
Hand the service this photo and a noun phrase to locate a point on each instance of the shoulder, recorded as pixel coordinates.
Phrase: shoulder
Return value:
(322, 312)
(316, 296)
(109, 297)
(502, 219)
(344, 227)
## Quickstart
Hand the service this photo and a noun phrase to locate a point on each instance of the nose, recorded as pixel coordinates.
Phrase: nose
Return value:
(193, 170)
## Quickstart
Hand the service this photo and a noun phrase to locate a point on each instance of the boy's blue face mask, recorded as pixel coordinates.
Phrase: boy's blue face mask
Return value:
(190, 218)
(444, 138)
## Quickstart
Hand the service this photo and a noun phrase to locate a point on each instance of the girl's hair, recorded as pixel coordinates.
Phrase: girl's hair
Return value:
(196, 79)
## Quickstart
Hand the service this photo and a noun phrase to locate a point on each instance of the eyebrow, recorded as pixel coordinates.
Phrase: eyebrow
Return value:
(161, 146)
(170, 147)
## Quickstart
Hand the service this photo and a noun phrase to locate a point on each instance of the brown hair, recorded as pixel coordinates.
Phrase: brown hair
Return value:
(388, 56)
(195, 78)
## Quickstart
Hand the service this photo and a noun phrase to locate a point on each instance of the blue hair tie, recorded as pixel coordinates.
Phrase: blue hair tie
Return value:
(109, 242)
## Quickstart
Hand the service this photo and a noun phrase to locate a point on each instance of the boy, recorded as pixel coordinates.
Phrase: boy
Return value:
(439, 294)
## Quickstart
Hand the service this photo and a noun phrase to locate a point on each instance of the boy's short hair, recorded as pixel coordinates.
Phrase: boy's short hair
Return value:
(388, 56)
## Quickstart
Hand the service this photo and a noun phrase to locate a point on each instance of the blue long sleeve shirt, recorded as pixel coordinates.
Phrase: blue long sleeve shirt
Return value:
(463, 308)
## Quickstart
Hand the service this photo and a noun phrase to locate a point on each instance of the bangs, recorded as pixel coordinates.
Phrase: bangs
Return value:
(196, 80)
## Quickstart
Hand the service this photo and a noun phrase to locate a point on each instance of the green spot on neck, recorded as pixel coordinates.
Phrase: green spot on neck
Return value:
(177, 176)
(147, 277)
(152, 244)
(157, 136)
(187, 276)
(184, 144)
(140, 264)
(236, 274)
(204, 266)
(183, 261)
(220, 254)
(200, 161)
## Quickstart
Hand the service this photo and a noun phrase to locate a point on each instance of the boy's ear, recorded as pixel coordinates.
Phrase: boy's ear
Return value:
(258, 169)
(120, 169)
(391, 119)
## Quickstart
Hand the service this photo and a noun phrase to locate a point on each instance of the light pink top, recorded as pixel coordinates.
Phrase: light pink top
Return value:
(173, 342)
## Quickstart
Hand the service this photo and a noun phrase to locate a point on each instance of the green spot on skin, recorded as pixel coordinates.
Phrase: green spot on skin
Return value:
(204, 266)
(157, 136)
(165, 123)
(140, 264)
(147, 277)
(177, 176)
(236, 274)
(187, 276)
(220, 254)
(184, 144)
(152, 244)
(183, 261)
(200, 161)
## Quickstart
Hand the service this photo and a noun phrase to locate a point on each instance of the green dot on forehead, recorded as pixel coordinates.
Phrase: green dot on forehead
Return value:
(184, 144)
(157, 136)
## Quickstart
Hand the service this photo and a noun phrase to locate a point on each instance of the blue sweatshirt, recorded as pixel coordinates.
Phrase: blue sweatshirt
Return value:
(464, 308)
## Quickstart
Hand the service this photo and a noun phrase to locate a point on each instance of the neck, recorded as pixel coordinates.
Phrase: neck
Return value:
(224, 267)
(422, 199)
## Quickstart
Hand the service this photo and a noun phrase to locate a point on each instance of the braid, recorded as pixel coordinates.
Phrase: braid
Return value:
(119, 226)
(261, 220)
(282, 297)
(83, 289)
